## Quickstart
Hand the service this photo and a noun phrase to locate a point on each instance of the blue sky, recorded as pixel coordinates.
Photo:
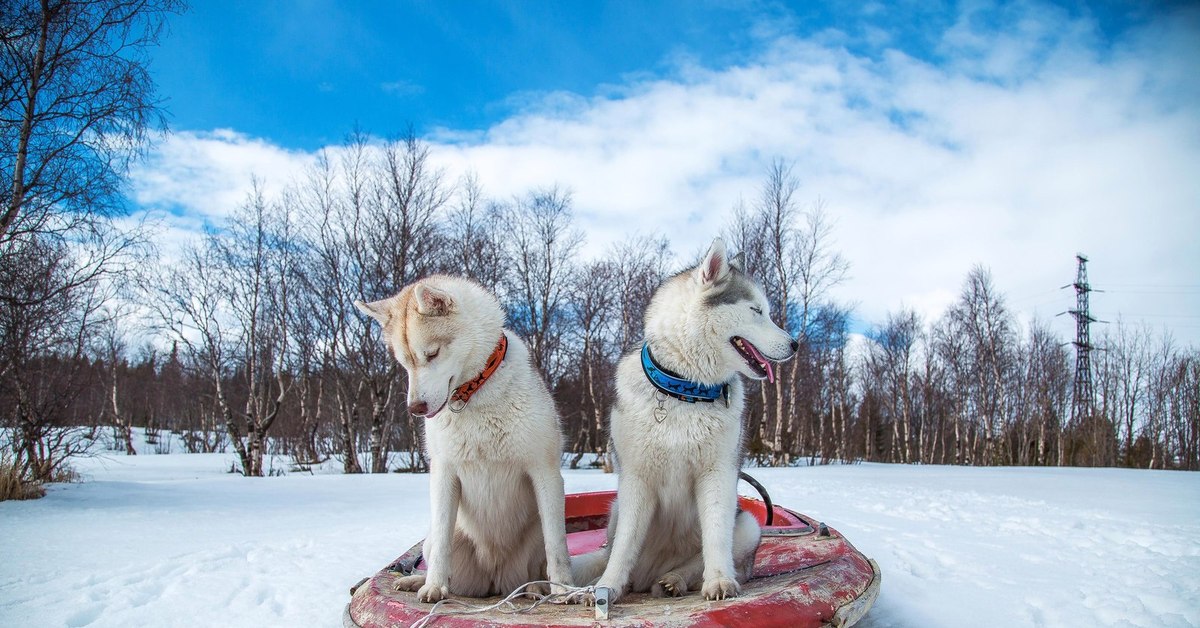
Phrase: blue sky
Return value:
(302, 74)
(937, 136)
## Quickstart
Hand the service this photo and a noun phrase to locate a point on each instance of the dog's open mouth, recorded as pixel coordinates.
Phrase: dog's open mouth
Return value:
(754, 358)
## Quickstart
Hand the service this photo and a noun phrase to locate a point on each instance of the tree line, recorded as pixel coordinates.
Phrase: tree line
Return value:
(247, 338)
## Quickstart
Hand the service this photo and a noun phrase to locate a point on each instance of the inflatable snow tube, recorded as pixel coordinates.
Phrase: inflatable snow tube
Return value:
(805, 574)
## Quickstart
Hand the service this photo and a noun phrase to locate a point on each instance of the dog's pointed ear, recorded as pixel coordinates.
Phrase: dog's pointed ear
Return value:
(715, 265)
(379, 310)
(739, 261)
(432, 301)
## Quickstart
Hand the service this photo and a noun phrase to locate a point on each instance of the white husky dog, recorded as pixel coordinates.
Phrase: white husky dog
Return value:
(677, 431)
(493, 439)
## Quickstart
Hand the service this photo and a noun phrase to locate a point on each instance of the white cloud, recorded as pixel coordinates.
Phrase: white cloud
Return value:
(205, 176)
(1030, 145)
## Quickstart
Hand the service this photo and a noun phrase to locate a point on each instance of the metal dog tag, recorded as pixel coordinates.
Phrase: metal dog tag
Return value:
(660, 412)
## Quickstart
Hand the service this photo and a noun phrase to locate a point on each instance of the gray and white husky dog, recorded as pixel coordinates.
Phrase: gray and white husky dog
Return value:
(493, 439)
(676, 430)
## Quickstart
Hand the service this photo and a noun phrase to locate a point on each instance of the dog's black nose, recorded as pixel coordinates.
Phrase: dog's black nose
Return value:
(419, 408)
(795, 346)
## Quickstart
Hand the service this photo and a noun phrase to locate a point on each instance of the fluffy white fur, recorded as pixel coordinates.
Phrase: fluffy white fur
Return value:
(679, 528)
(496, 492)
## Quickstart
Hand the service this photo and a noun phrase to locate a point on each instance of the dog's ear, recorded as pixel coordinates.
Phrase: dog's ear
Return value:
(431, 301)
(715, 265)
(739, 261)
(379, 310)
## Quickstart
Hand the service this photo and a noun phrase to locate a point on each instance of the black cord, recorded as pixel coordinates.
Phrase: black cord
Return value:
(761, 491)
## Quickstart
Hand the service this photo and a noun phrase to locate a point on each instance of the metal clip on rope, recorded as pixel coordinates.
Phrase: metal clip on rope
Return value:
(603, 599)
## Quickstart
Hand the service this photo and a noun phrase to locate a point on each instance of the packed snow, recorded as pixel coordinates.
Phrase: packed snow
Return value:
(177, 540)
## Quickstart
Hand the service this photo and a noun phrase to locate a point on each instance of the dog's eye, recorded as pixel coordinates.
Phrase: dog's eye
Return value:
(430, 355)
(756, 309)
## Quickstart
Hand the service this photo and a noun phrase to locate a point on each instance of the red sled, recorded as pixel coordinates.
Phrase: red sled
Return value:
(805, 574)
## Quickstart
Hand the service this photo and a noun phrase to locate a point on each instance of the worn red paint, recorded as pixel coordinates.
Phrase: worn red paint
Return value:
(800, 579)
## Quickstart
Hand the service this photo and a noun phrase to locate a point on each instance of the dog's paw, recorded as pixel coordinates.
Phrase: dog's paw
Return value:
(670, 585)
(563, 595)
(538, 588)
(721, 588)
(409, 583)
(431, 592)
(562, 587)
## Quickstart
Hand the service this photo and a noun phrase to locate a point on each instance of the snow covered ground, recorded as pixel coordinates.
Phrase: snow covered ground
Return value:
(176, 540)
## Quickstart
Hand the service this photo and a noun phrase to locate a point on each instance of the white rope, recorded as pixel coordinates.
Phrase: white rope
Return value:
(508, 605)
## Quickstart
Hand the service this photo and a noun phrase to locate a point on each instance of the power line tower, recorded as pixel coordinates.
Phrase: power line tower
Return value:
(1082, 399)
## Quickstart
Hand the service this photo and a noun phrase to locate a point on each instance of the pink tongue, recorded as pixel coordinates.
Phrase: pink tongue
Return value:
(761, 360)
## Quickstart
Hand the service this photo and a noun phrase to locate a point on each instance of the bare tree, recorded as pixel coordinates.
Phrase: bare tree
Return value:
(982, 319)
(541, 244)
(820, 266)
(593, 301)
(639, 263)
(1165, 409)
(113, 350)
(1122, 376)
(308, 438)
(1182, 443)
(777, 212)
(76, 101)
(934, 397)
(45, 348)
(890, 365)
(951, 348)
(255, 254)
(820, 326)
(332, 201)
(186, 300)
(228, 302)
(474, 229)
(1044, 399)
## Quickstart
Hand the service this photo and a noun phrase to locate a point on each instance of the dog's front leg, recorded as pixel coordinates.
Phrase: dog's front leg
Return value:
(444, 493)
(716, 504)
(637, 508)
(548, 489)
